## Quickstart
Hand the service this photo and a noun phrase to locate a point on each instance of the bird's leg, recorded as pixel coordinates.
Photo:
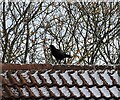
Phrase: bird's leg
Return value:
(65, 61)
(57, 61)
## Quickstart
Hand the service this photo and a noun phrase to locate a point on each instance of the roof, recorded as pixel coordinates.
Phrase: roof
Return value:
(61, 82)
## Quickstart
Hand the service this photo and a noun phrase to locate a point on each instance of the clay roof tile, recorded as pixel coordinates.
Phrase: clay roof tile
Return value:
(61, 82)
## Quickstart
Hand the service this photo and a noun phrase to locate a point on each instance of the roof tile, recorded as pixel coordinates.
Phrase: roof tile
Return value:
(87, 78)
(55, 91)
(95, 91)
(24, 92)
(107, 78)
(75, 91)
(74, 83)
(67, 77)
(115, 91)
(105, 92)
(96, 78)
(35, 91)
(77, 78)
(55, 77)
(44, 91)
(65, 91)
(36, 78)
(84, 90)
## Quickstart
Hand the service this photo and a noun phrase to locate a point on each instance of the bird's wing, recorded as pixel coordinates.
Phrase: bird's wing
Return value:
(61, 52)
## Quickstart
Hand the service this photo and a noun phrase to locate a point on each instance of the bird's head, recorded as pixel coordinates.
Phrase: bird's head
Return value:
(52, 47)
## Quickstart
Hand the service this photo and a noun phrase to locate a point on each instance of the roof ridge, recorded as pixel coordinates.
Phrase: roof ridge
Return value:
(7, 66)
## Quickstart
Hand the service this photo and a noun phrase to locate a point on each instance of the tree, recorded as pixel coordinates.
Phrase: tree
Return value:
(87, 30)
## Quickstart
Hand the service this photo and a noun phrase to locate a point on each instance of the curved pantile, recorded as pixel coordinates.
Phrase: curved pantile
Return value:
(61, 83)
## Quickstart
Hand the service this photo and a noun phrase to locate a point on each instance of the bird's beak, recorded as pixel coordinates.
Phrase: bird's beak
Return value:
(46, 47)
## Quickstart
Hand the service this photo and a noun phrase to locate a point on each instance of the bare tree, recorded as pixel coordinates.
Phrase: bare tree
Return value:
(89, 31)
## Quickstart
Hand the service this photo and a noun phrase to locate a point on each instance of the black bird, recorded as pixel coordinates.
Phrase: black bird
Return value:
(58, 54)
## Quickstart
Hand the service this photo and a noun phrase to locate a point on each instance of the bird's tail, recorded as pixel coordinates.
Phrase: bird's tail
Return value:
(69, 56)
